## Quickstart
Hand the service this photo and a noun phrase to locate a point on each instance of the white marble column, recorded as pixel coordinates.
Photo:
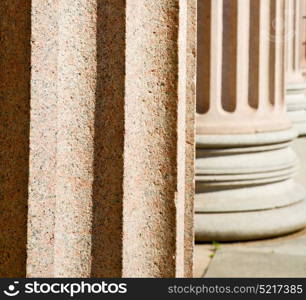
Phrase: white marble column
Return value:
(295, 81)
(303, 36)
(245, 164)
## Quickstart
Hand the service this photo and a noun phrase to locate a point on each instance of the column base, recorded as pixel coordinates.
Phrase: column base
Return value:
(245, 188)
(251, 225)
(296, 106)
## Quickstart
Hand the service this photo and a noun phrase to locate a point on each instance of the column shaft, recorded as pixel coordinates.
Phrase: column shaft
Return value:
(152, 176)
(43, 139)
(303, 37)
(117, 154)
(293, 17)
(295, 82)
(190, 134)
(249, 70)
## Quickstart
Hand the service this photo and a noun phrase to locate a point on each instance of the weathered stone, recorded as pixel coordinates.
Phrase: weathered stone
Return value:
(43, 138)
(114, 90)
(190, 135)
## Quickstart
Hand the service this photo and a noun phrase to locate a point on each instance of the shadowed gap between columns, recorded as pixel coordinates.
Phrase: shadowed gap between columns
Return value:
(273, 33)
(204, 55)
(254, 46)
(15, 52)
(109, 140)
(229, 55)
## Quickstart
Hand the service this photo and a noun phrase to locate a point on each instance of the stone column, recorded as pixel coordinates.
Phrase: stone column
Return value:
(245, 163)
(295, 81)
(110, 91)
(190, 134)
(303, 36)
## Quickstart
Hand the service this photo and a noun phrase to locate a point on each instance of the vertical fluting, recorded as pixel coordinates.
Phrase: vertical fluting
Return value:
(116, 92)
(240, 67)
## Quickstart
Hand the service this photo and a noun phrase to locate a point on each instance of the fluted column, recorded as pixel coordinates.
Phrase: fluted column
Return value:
(190, 134)
(303, 36)
(245, 164)
(295, 82)
(110, 101)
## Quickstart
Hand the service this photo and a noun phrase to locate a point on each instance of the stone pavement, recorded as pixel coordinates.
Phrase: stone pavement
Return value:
(279, 257)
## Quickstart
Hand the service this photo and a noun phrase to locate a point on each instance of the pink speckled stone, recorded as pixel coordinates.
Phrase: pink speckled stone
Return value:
(108, 195)
(43, 141)
(190, 134)
(154, 149)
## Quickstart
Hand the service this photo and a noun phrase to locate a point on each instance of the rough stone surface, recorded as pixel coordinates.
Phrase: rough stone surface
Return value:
(152, 190)
(43, 142)
(14, 134)
(190, 136)
(116, 146)
(75, 138)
